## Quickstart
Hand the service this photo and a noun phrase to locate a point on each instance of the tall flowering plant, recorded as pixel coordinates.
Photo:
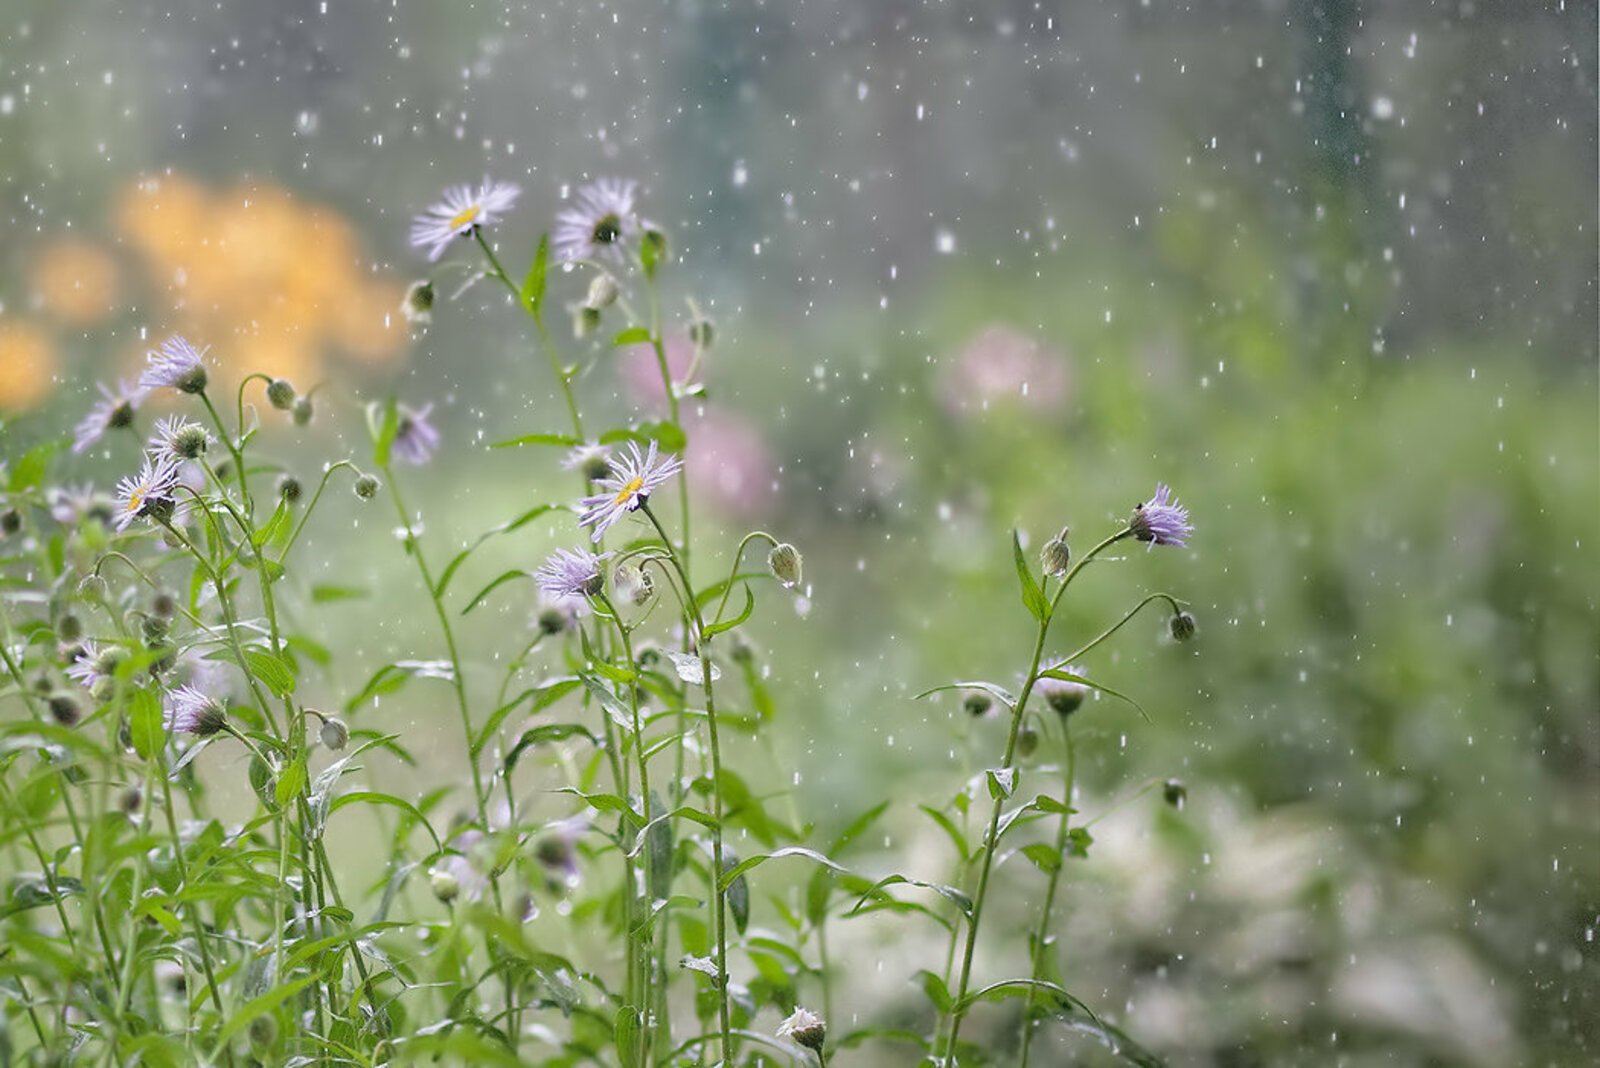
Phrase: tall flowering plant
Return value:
(161, 636)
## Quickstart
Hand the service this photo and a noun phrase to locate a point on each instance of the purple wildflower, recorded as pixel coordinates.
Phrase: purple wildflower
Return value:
(112, 411)
(179, 438)
(175, 365)
(570, 573)
(192, 711)
(150, 492)
(460, 212)
(632, 480)
(415, 439)
(1161, 520)
(96, 666)
(600, 222)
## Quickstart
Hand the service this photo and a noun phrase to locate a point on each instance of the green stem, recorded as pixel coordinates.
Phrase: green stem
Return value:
(561, 374)
(958, 1005)
(192, 908)
(1063, 830)
(234, 451)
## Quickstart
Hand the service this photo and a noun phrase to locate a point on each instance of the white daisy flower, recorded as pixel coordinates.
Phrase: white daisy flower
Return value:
(600, 222)
(460, 212)
(632, 480)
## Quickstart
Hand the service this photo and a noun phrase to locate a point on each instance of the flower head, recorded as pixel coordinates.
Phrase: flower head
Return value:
(95, 666)
(175, 365)
(632, 480)
(593, 461)
(113, 410)
(1161, 520)
(554, 615)
(600, 222)
(150, 492)
(1063, 695)
(417, 306)
(806, 1028)
(192, 711)
(570, 573)
(556, 849)
(415, 439)
(179, 438)
(459, 212)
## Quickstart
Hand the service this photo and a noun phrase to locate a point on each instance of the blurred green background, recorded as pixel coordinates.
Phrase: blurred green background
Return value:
(1328, 268)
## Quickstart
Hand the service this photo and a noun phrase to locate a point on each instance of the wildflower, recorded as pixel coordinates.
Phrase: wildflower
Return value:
(784, 563)
(367, 486)
(175, 365)
(977, 704)
(290, 489)
(632, 480)
(281, 394)
(302, 411)
(460, 212)
(557, 614)
(445, 886)
(113, 411)
(593, 461)
(180, 439)
(806, 1028)
(95, 668)
(1055, 556)
(150, 493)
(1063, 695)
(417, 304)
(1182, 626)
(633, 583)
(190, 711)
(599, 223)
(1161, 520)
(556, 849)
(569, 573)
(415, 439)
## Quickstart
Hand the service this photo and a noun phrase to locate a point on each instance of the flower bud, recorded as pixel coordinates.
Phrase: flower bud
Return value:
(334, 733)
(130, 801)
(784, 563)
(69, 628)
(602, 292)
(633, 583)
(10, 521)
(417, 306)
(289, 489)
(1055, 556)
(1063, 695)
(1183, 627)
(281, 394)
(302, 411)
(93, 588)
(367, 487)
(164, 604)
(190, 441)
(64, 709)
(702, 332)
(1175, 792)
(806, 1028)
(1027, 741)
(263, 1031)
(193, 380)
(154, 629)
(977, 704)
(446, 887)
(585, 321)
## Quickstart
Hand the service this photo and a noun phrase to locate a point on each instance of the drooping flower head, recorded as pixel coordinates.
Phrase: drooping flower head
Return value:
(114, 410)
(179, 438)
(599, 223)
(192, 711)
(175, 365)
(568, 573)
(150, 492)
(632, 480)
(1063, 695)
(415, 438)
(806, 1028)
(459, 213)
(1161, 520)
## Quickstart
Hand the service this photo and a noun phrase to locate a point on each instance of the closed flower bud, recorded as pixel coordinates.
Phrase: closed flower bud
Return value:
(289, 489)
(602, 292)
(446, 887)
(977, 704)
(1027, 741)
(784, 563)
(585, 321)
(334, 733)
(1055, 556)
(69, 628)
(633, 583)
(263, 1031)
(281, 394)
(702, 332)
(164, 604)
(1183, 626)
(1175, 792)
(153, 629)
(93, 588)
(64, 709)
(417, 306)
(302, 411)
(367, 487)
(10, 521)
(131, 800)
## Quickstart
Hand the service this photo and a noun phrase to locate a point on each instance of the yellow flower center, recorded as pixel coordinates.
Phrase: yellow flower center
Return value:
(135, 501)
(465, 217)
(627, 492)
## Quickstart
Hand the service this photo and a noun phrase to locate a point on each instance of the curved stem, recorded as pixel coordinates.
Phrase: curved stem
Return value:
(1063, 831)
(1118, 625)
(562, 377)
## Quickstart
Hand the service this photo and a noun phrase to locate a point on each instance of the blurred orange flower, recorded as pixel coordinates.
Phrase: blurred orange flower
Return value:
(76, 281)
(27, 365)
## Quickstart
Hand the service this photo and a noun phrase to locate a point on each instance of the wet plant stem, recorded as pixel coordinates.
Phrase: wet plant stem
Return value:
(1063, 832)
(562, 377)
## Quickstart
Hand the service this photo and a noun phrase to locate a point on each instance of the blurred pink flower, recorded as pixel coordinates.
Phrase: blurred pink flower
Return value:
(729, 463)
(1000, 362)
(641, 374)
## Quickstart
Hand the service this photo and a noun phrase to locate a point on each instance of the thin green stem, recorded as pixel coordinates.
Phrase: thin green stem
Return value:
(1063, 831)
(1109, 631)
(562, 377)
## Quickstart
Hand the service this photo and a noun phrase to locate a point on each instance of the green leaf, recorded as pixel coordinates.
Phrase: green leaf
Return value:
(374, 797)
(504, 528)
(1067, 676)
(1044, 857)
(291, 782)
(261, 1006)
(383, 423)
(1078, 842)
(949, 827)
(543, 696)
(1033, 597)
(956, 897)
(277, 525)
(533, 283)
(933, 986)
(33, 891)
(500, 580)
(1002, 781)
(32, 466)
(145, 724)
(634, 335)
(548, 734)
(566, 440)
(276, 673)
(726, 625)
(999, 693)
(669, 435)
(738, 870)
(625, 1030)
(323, 593)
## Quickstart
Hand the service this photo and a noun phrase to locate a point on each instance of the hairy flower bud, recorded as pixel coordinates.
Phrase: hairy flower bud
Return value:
(1063, 695)
(69, 628)
(633, 583)
(1182, 626)
(263, 1031)
(302, 411)
(154, 629)
(290, 489)
(446, 887)
(281, 394)
(1055, 556)
(64, 708)
(417, 306)
(334, 733)
(367, 487)
(190, 441)
(977, 704)
(1027, 741)
(602, 292)
(784, 563)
